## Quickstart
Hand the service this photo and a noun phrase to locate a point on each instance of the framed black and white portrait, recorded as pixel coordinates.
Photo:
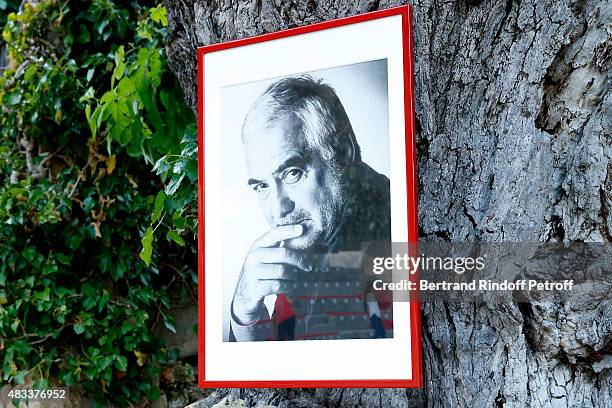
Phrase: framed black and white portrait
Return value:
(306, 154)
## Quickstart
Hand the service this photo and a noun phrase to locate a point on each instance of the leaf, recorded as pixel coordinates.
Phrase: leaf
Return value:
(93, 119)
(13, 99)
(15, 325)
(174, 184)
(147, 246)
(44, 296)
(126, 87)
(121, 363)
(103, 300)
(89, 290)
(29, 253)
(191, 170)
(174, 236)
(153, 393)
(41, 384)
(89, 303)
(118, 271)
(68, 378)
(158, 14)
(170, 323)
(141, 358)
(90, 73)
(190, 135)
(73, 242)
(101, 26)
(119, 65)
(110, 164)
(19, 378)
(79, 328)
(161, 166)
(83, 36)
(178, 220)
(49, 268)
(88, 95)
(158, 207)
(63, 258)
(88, 114)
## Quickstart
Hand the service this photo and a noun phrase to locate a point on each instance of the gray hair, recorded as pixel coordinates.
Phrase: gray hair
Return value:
(319, 112)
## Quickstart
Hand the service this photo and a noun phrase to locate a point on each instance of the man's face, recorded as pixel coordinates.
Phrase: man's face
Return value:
(294, 185)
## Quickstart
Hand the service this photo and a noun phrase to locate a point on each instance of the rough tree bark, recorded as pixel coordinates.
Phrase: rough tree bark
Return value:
(514, 144)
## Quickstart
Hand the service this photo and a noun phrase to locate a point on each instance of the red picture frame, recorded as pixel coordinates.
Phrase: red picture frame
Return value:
(416, 380)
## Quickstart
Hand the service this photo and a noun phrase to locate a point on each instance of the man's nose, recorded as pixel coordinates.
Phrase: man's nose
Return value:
(282, 205)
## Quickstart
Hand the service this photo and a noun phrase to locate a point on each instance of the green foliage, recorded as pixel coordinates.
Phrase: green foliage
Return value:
(97, 159)
(140, 115)
(7, 7)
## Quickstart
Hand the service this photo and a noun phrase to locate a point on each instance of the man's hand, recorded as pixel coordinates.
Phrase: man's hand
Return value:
(268, 269)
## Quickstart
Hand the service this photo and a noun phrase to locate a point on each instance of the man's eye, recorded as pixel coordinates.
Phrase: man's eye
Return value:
(259, 188)
(292, 176)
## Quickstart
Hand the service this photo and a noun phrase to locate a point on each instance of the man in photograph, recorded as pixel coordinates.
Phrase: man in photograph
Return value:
(317, 195)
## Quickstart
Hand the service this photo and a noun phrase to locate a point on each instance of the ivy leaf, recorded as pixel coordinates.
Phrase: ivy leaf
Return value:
(63, 258)
(101, 26)
(170, 323)
(79, 328)
(147, 246)
(103, 300)
(119, 65)
(153, 393)
(13, 99)
(191, 170)
(29, 254)
(161, 166)
(158, 14)
(121, 363)
(83, 36)
(159, 206)
(88, 95)
(15, 325)
(174, 184)
(90, 73)
(49, 269)
(41, 384)
(174, 236)
(68, 378)
(178, 220)
(19, 378)
(93, 119)
(43, 296)
(89, 303)
(190, 135)
(90, 296)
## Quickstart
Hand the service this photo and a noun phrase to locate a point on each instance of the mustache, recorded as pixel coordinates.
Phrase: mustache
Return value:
(293, 218)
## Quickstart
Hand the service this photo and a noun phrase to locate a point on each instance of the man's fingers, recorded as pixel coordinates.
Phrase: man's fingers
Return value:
(278, 234)
(285, 256)
(275, 287)
(275, 272)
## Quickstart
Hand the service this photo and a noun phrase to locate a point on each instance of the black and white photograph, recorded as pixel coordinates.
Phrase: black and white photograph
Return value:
(305, 176)
(306, 155)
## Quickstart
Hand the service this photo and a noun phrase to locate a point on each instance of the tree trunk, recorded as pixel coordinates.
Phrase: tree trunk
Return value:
(514, 144)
